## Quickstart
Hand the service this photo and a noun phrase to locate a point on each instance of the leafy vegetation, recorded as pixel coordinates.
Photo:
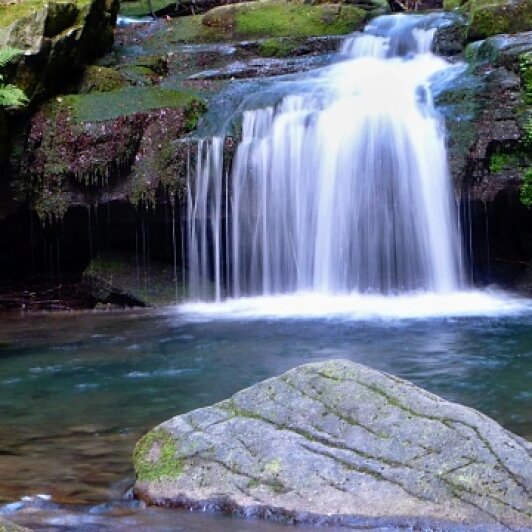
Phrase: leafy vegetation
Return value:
(10, 95)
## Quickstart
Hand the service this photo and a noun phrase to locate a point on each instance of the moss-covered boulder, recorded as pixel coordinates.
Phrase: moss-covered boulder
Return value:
(279, 18)
(101, 146)
(492, 17)
(339, 443)
(58, 39)
(101, 79)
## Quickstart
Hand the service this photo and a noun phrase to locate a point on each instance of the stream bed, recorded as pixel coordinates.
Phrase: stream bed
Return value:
(77, 390)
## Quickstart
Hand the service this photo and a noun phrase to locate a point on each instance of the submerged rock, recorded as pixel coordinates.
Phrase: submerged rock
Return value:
(340, 443)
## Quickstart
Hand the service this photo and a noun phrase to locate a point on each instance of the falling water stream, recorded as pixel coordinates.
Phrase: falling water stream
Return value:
(341, 188)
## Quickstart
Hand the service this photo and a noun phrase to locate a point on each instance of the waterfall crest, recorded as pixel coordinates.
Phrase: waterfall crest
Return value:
(341, 188)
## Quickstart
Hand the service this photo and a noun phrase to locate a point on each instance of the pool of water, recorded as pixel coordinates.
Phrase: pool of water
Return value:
(77, 390)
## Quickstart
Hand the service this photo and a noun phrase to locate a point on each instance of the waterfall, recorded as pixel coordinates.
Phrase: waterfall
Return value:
(340, 188)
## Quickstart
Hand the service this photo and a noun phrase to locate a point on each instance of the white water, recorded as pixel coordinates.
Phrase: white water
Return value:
(343, 188)
(358, 307)
(339, 200)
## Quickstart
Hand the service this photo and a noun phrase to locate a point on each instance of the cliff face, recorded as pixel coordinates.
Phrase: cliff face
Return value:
(488, 116)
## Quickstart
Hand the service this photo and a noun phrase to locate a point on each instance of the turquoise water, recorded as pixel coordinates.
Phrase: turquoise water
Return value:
(77, 390)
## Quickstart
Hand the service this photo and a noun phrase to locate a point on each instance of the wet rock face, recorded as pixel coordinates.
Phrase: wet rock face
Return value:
(340, 443)
(86, 149)
(486, 109)
(488, 113)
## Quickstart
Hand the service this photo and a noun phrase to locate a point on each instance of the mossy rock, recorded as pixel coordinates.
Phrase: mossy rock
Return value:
(491, 17)
(278, 18)
(338, 443)
(101, 107)
(119, 279)
(450, 5)
(138, 75)
(139, 8)
(278, 47)
(156, 63)
(58, 38)
(101, 79)
(83, 147)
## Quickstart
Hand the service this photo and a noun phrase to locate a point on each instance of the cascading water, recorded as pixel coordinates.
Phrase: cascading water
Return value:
(341, 188)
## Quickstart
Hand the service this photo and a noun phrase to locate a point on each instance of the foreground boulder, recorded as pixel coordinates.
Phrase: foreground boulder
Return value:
(8, 526)
(340, 443)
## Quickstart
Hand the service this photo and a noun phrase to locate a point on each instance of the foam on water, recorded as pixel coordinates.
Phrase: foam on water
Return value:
(358, 307)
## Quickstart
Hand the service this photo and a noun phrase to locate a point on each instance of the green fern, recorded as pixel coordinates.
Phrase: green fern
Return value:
(10, 95)
(7, 54)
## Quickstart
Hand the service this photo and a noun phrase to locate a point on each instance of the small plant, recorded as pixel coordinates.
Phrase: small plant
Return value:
(10, 95)
(526, 189)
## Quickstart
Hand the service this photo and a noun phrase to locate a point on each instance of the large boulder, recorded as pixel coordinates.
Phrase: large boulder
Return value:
(58, 39)
(491, 17)
(280, 18)
(340, 443)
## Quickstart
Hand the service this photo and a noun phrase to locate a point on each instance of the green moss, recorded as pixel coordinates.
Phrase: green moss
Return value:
(13, 12)
(526, 189)
(503, 161)
(525, 70)
(491, 17)
(140, 8)
(273, 467)
(450, 5)
(282, 19)
(157, 64)
(154, 457)
(137, 75)
(101, 79)
(277, 47)
(189, 29)
(97, 106)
